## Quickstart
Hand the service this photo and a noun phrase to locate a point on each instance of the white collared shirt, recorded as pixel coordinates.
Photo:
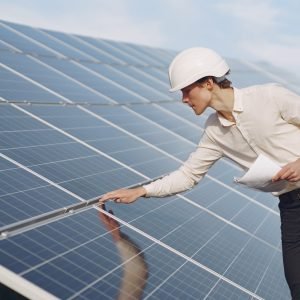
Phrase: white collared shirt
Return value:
(267, 122)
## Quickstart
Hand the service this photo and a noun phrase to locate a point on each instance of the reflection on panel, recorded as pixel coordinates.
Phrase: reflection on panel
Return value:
(92, 255)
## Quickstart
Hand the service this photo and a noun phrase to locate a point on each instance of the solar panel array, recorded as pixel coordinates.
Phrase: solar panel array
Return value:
(81, 116)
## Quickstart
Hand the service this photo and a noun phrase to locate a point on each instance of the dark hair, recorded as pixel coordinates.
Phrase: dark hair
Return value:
(224, 84)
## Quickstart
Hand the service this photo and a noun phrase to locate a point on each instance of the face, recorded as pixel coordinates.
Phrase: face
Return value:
(197, 96)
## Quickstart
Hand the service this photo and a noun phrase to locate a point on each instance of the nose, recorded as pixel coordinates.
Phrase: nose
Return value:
(185, 98)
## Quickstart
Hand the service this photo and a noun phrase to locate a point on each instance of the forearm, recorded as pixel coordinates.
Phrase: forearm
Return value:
(173, 183)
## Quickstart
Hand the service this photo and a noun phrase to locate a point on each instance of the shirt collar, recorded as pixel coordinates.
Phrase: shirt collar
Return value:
(237, 108)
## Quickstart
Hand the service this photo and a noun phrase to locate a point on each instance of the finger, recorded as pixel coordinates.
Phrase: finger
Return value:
(293, 177)
(106, 197)
(287, 174)
(103, 198)
(281, 174)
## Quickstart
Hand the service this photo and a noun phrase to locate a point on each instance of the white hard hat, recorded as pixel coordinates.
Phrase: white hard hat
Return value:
(193, 64)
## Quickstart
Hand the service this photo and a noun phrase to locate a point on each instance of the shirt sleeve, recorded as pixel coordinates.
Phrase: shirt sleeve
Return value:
(190, 173)
(288, 103)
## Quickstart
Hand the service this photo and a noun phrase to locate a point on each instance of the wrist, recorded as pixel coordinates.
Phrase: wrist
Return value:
(141, 191)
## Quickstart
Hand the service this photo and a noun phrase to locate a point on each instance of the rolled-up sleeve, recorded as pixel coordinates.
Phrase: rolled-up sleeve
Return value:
(190, 173)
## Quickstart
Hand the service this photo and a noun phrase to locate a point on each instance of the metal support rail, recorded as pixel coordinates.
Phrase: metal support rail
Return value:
(24, 225)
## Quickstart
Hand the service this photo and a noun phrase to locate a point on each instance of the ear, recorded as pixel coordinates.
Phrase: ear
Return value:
(209, 83)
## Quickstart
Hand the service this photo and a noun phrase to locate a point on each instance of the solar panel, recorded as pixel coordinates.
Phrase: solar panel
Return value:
(81, 116)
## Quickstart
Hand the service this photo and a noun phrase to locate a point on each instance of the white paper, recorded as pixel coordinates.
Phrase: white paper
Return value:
(260, 174)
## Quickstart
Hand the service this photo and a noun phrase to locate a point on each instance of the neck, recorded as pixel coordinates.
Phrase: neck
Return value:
(222, 102)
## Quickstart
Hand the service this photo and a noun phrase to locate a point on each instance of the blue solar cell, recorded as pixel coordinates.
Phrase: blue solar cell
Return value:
(171, 121)
(72, 40)
(145, 129)
(124, 47)
(84, 73)
(30, 199)
(103, 136)
(56, 45)
(50, 79)
(146, 93)
(145, 77)
(22, 43)
(274, 274)
(4, 46)
(224, 291)
(15, 88)
(116, 53)
(255, 257)
(158, 55)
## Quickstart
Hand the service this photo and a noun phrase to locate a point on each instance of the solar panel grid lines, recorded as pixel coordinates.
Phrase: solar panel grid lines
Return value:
(31, 291)
(82, 244)
(186, 257)
(126, 57)
(33, 82)
(77, 140)
(212, 226)
(240, 253)
(138, 81)
(112, 58)
(37, 175)
(154, 53)
(137, 96)
(96, 53)
(157, 148)
(77, 82)
(149, 77)
(49, 50)
(45, 218)
(198, 264)
(136, 85)
(272, 76)
(83, 56)
(229, 222)
(135, 53)
(49, 41)
(8, 46)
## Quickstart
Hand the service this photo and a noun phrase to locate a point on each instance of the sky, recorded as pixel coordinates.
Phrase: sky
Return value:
(252, 30)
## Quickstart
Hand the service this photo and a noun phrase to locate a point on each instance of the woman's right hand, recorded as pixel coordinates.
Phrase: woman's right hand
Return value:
(124, 195)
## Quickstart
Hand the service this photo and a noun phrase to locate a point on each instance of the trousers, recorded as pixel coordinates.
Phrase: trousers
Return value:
(289, 206)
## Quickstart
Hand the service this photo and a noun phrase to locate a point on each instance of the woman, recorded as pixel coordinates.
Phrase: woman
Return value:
(237, 130)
